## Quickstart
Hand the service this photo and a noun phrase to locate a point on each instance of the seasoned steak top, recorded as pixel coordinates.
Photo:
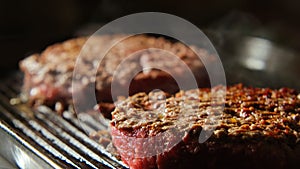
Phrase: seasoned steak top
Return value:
(48, 76)
(247, 113)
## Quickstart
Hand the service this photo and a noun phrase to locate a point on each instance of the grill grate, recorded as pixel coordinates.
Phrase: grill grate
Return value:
(46, 139)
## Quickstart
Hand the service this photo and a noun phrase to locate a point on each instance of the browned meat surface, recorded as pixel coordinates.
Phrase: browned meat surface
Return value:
(48, 76)
(259, 128)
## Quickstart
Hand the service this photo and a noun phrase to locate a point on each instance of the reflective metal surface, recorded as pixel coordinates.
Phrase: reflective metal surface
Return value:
(43, 139)
(259, 62)
(5, 164)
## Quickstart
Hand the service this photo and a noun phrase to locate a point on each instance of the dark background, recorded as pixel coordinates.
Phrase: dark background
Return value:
(29, 26)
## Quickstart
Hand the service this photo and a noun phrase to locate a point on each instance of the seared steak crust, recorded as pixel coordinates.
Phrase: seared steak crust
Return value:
(48, 76)
(258, 128)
